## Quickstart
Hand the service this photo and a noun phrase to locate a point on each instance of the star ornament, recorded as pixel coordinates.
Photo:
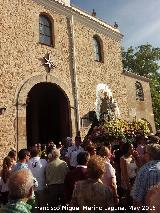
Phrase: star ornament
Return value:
(49, 63)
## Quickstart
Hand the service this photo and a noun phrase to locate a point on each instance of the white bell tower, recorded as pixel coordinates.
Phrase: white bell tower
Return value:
(66, 2)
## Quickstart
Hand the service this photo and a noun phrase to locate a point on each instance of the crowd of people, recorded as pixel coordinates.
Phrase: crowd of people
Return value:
(83, 176)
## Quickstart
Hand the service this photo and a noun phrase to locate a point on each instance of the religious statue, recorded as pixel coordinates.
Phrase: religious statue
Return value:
(107, 108)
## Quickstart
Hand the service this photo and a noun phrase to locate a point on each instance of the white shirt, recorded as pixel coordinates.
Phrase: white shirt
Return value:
(132, 169)
(81, 166)
(109, 173)
(72, 153)
(37, 167)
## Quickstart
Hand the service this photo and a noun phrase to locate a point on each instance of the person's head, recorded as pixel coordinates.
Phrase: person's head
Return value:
(152, 197)
(24, 155)
(6, 167)
(20, 185)
(34, 152)
(68, 141)
(51, 143)
(152, 152)
(43, 147)
(39, 146)
(55, 154)
(105, 152)
(105, 95)
(95, 167)
(7, 163)
(121, 144)
(50, 148)
(107, 144)
(77, 140)
(127, 149)
(91, 149)
(59, 145)
(12, 154)
(140, 139)
(154, 139)
(83, 158)
(158, 133)
(87, 142)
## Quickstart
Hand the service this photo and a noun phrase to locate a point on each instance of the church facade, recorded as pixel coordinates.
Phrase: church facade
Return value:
(53, 57)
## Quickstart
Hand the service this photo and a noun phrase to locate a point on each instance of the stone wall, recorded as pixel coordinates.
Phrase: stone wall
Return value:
(90, 72)
(22, 58)
(140, 109)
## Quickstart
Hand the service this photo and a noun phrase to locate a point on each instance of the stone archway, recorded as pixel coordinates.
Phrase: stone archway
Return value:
(47, 114)
(21, 98)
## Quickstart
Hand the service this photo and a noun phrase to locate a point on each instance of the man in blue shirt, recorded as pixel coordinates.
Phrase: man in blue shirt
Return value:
(23, 157)
(148, 175)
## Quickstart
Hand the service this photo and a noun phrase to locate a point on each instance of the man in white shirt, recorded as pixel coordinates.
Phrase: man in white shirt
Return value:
(73, 151)
(37, 167)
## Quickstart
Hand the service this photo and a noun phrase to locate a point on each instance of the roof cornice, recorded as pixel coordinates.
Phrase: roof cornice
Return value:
(83, 17)
(96, 24)
(136, 76)
(56, 6)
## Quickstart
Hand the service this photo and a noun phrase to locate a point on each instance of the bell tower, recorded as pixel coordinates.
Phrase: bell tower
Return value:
(66, 2)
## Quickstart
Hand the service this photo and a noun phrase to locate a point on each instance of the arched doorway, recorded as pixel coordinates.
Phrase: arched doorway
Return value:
(47, 114)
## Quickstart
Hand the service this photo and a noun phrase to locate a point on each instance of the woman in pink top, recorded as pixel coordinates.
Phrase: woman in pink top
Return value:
(109, 176)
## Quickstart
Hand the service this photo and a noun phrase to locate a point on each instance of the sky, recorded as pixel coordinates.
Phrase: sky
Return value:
(138, 20)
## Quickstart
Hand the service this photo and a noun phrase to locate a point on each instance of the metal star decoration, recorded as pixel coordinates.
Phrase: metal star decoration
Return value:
(49, 63)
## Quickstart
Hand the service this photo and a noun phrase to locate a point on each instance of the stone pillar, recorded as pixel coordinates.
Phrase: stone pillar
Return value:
(21, 127)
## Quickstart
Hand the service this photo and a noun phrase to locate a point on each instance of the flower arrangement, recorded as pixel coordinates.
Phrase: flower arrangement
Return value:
(120, 128)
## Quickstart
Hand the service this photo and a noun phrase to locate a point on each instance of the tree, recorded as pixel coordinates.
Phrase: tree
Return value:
(155, 92)
(143, 60)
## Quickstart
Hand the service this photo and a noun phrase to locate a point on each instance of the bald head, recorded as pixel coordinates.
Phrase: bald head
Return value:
(153, 150)
(20, 184)
(55, 153)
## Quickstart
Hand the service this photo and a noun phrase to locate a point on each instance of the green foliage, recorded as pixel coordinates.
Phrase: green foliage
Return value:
(143, 60)
(155, 91)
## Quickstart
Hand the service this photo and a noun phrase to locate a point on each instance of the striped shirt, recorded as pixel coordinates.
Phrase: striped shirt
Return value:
(148, 176)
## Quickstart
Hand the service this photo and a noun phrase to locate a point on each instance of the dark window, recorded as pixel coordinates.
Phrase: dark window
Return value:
(45, 30)
(97, 48)
(139, 91)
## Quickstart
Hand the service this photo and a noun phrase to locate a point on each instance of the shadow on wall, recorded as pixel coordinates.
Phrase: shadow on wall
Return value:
(89, 118)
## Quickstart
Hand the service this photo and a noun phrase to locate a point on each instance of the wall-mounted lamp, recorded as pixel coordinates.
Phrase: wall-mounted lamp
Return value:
(2, 110)
(84, 121)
